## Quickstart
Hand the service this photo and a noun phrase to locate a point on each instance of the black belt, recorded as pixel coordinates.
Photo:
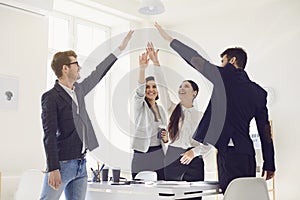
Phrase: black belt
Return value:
(151, 149)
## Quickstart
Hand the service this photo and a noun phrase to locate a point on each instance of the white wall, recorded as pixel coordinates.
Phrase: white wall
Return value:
(23, 54)
(270, 35)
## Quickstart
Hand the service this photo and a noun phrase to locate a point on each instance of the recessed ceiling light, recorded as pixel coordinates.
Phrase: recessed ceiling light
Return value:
(151, 7)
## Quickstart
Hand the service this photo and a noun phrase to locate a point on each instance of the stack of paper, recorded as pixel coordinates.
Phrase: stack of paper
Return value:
(173, 184)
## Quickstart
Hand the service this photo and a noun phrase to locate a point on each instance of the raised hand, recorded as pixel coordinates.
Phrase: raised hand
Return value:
(152, 53)
(143, 60)
(163, 33)
(126, 40)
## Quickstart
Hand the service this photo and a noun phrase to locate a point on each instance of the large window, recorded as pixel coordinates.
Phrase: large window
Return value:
(66, 32)
(83, 36)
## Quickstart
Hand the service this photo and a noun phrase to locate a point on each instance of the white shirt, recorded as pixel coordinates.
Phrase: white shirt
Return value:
(146, 128)
(72, 94)
(190, 123)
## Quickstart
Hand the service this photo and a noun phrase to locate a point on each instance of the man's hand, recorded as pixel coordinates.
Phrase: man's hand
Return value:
(125, 41)
(187, 157)
(163, 33)
(269, 174)
(54, 179)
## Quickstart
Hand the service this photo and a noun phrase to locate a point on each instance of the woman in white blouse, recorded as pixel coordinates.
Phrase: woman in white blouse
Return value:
(183, 160)
(149, 117)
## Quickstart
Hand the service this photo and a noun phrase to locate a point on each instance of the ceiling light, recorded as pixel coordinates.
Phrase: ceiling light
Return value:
(151, 7)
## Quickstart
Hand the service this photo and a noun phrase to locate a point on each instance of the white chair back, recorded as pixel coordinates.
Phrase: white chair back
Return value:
(30, 185)
(247, 188)
(147, 176)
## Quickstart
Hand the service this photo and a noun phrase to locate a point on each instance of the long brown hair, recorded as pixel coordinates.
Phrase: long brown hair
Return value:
(173, 125)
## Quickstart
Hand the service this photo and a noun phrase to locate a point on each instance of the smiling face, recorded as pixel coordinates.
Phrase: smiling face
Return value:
(186, 92)
(151, 90)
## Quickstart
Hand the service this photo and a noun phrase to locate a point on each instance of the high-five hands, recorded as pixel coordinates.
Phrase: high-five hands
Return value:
(152, 53)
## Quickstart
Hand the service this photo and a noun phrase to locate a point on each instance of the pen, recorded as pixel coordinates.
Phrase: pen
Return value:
(102, 167)
(94, 172)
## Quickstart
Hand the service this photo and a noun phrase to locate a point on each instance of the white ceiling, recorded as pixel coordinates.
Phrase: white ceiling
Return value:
(180, 12)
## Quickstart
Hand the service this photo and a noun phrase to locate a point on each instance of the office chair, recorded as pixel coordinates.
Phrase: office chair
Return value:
(247, 188)
(147, 176)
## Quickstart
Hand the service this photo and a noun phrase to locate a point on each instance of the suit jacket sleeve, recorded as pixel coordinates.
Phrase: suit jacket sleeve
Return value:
(192, 57)
(49, 120)
(94, 78)
(207, 131)
(264, 130)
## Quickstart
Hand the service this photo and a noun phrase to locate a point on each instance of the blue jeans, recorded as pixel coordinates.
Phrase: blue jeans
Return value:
(74, 181)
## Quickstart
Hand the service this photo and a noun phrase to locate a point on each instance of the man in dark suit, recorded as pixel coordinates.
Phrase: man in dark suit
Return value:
(68, 132)
(235, 101)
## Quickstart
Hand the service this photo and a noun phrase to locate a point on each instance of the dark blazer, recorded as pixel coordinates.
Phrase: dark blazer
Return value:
(235, 101)
(63, 126)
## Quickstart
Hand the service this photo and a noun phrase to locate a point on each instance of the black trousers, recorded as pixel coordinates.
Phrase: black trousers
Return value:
(175, 171)
(152, 160)
(232, 164)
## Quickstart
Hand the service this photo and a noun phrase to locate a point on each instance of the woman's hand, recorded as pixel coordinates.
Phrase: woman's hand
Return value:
(143, 60)
(164, 136)
(187, 157)
(153, 54)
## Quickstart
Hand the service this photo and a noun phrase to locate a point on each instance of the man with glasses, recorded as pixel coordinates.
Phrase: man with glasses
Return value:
(68, 132)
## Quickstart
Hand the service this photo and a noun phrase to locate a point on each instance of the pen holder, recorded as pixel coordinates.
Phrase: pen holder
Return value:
(116, 175)
(104, 174)
(96, 176)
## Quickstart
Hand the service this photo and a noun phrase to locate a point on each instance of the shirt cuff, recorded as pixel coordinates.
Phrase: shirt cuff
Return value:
(202, 150)
(117, 52)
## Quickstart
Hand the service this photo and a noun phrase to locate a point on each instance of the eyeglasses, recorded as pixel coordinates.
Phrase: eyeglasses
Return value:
(73, 63)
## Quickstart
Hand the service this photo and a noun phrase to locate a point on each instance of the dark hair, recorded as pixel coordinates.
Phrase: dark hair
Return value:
(194, 86)
(176, 114)
(60, 59)
(238, 53)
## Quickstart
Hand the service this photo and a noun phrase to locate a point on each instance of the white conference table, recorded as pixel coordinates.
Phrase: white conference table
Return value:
(151, 191)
